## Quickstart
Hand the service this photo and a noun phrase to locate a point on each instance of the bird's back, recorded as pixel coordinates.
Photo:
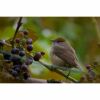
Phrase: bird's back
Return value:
(66, 53)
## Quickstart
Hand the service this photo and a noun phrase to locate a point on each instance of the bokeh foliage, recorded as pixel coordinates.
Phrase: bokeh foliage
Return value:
(81, 32)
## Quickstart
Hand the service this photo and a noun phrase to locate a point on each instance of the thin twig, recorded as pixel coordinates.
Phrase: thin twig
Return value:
(16, 31)
(58, 71)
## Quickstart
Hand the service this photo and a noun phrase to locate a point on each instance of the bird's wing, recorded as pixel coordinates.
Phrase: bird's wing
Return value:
(66, 53)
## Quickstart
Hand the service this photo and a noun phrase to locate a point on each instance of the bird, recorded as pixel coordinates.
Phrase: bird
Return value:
(63, 54)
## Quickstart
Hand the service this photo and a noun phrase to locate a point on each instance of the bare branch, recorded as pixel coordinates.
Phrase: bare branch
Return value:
(16, 31)
(58, 71)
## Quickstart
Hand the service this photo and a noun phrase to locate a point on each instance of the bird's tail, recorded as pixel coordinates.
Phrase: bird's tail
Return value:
(81, 68)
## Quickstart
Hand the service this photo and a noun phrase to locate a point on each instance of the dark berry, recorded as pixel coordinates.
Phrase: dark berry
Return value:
(29, 61)
(25, 32)
(29, 41)
(1, 43)
(7, 56)
(25, 76)
(24, 67)
(37, 56)
(15, 51)
(29, 48)
(21, 53)
(16, 68)
(88, 67)
(17, 40)
(16, 60)
(14, 73)
(92, 74)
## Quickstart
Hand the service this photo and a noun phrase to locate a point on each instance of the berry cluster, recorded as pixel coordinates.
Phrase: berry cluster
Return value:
(90, 76)
(19, 57)
(25, 41)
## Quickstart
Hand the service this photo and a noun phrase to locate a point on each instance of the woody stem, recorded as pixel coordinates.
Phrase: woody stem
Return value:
(49, 67)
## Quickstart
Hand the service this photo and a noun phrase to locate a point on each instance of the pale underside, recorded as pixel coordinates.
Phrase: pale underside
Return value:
(63, 55)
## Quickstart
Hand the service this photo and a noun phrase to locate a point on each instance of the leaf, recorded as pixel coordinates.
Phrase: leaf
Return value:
(31, 35)
(7, 33)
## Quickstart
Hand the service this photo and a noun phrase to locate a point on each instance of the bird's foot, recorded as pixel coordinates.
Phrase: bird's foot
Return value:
(63, 68)
(69, 73)
(53, 68)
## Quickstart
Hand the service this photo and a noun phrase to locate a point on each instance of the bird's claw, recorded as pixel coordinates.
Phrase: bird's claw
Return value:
(53, 68)
(68, 73)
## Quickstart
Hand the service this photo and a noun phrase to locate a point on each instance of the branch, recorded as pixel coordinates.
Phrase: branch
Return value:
(16, 31)
(35, 80)
(6, 77)
(54, 69)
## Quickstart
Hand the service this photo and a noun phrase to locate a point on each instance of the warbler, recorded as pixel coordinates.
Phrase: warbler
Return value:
(63, 55)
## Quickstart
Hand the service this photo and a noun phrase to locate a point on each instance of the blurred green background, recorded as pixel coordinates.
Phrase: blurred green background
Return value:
(80, 31)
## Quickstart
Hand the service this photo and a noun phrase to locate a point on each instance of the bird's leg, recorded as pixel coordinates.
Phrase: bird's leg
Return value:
(53, 67)
(63, 68)
(69, 72)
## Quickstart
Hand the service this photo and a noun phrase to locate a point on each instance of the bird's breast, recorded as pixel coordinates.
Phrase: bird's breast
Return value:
(56, 60)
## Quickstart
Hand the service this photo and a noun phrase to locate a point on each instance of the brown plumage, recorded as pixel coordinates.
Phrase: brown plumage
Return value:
(62, 54)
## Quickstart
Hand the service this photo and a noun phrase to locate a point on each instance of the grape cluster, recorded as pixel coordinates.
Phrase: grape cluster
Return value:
(19, 57)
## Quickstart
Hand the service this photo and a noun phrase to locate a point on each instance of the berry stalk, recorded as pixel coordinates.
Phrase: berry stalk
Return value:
(18, 26)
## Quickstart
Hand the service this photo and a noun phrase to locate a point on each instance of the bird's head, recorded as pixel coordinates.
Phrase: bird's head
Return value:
(58, 40)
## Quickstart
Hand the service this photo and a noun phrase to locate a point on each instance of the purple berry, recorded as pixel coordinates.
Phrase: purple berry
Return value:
(7, 56)
(15, 51)
(88, 67)
(37, 56)
(29, 61)
(25, 76)
(24, 67)
(17, 40)
(14, 73)
(29, 48)
(29, 41)
(16, 60)
(16, 68)
(22, 53)
(25, 32)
